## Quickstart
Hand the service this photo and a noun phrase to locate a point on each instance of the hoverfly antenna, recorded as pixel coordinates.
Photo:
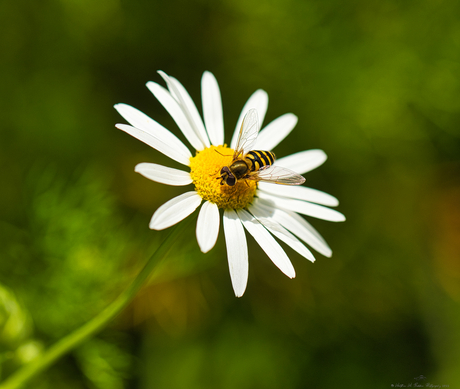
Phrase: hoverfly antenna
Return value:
(224, 155)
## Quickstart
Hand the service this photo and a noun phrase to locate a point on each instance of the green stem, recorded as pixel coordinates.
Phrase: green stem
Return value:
(63, 346)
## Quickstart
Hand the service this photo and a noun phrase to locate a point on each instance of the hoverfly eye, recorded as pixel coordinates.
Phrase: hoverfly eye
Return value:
(231, 180)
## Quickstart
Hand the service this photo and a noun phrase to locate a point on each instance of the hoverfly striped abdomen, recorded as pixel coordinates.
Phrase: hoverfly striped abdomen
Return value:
(259, 159)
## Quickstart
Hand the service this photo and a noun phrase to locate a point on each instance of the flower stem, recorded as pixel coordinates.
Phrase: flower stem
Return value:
(63, 346)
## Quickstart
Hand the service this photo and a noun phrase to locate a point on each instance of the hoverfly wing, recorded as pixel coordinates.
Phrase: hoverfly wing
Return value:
(277, 175)
(248, 133)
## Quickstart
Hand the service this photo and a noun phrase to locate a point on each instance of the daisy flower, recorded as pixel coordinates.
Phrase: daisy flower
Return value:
(265, 210)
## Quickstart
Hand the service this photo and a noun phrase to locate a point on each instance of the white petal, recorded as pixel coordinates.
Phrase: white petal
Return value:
(175, 210)
(297, 225)
(275, 132)
(258, 101)
(303, 161)
(212, 108)
(163, 174)
(281, 233)
(187, 105)
(174, 109)
(304, 207)
(300, 193)
(237, 251)
(177, 152)
(304, 230)
(207, 226)
(271, 247)
(145, 124)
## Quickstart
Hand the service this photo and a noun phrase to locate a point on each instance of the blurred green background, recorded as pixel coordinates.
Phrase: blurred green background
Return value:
(374, 84)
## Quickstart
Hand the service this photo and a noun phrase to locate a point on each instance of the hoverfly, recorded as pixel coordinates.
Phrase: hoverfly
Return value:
(255, 165)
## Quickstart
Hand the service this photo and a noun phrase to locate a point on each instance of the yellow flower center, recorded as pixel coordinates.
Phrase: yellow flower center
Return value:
(205, 173)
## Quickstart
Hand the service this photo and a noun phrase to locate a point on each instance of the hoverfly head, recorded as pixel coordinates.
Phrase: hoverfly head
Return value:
(227, 176)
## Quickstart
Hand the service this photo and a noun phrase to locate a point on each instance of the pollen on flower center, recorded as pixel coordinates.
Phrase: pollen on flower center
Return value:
(205, 173)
